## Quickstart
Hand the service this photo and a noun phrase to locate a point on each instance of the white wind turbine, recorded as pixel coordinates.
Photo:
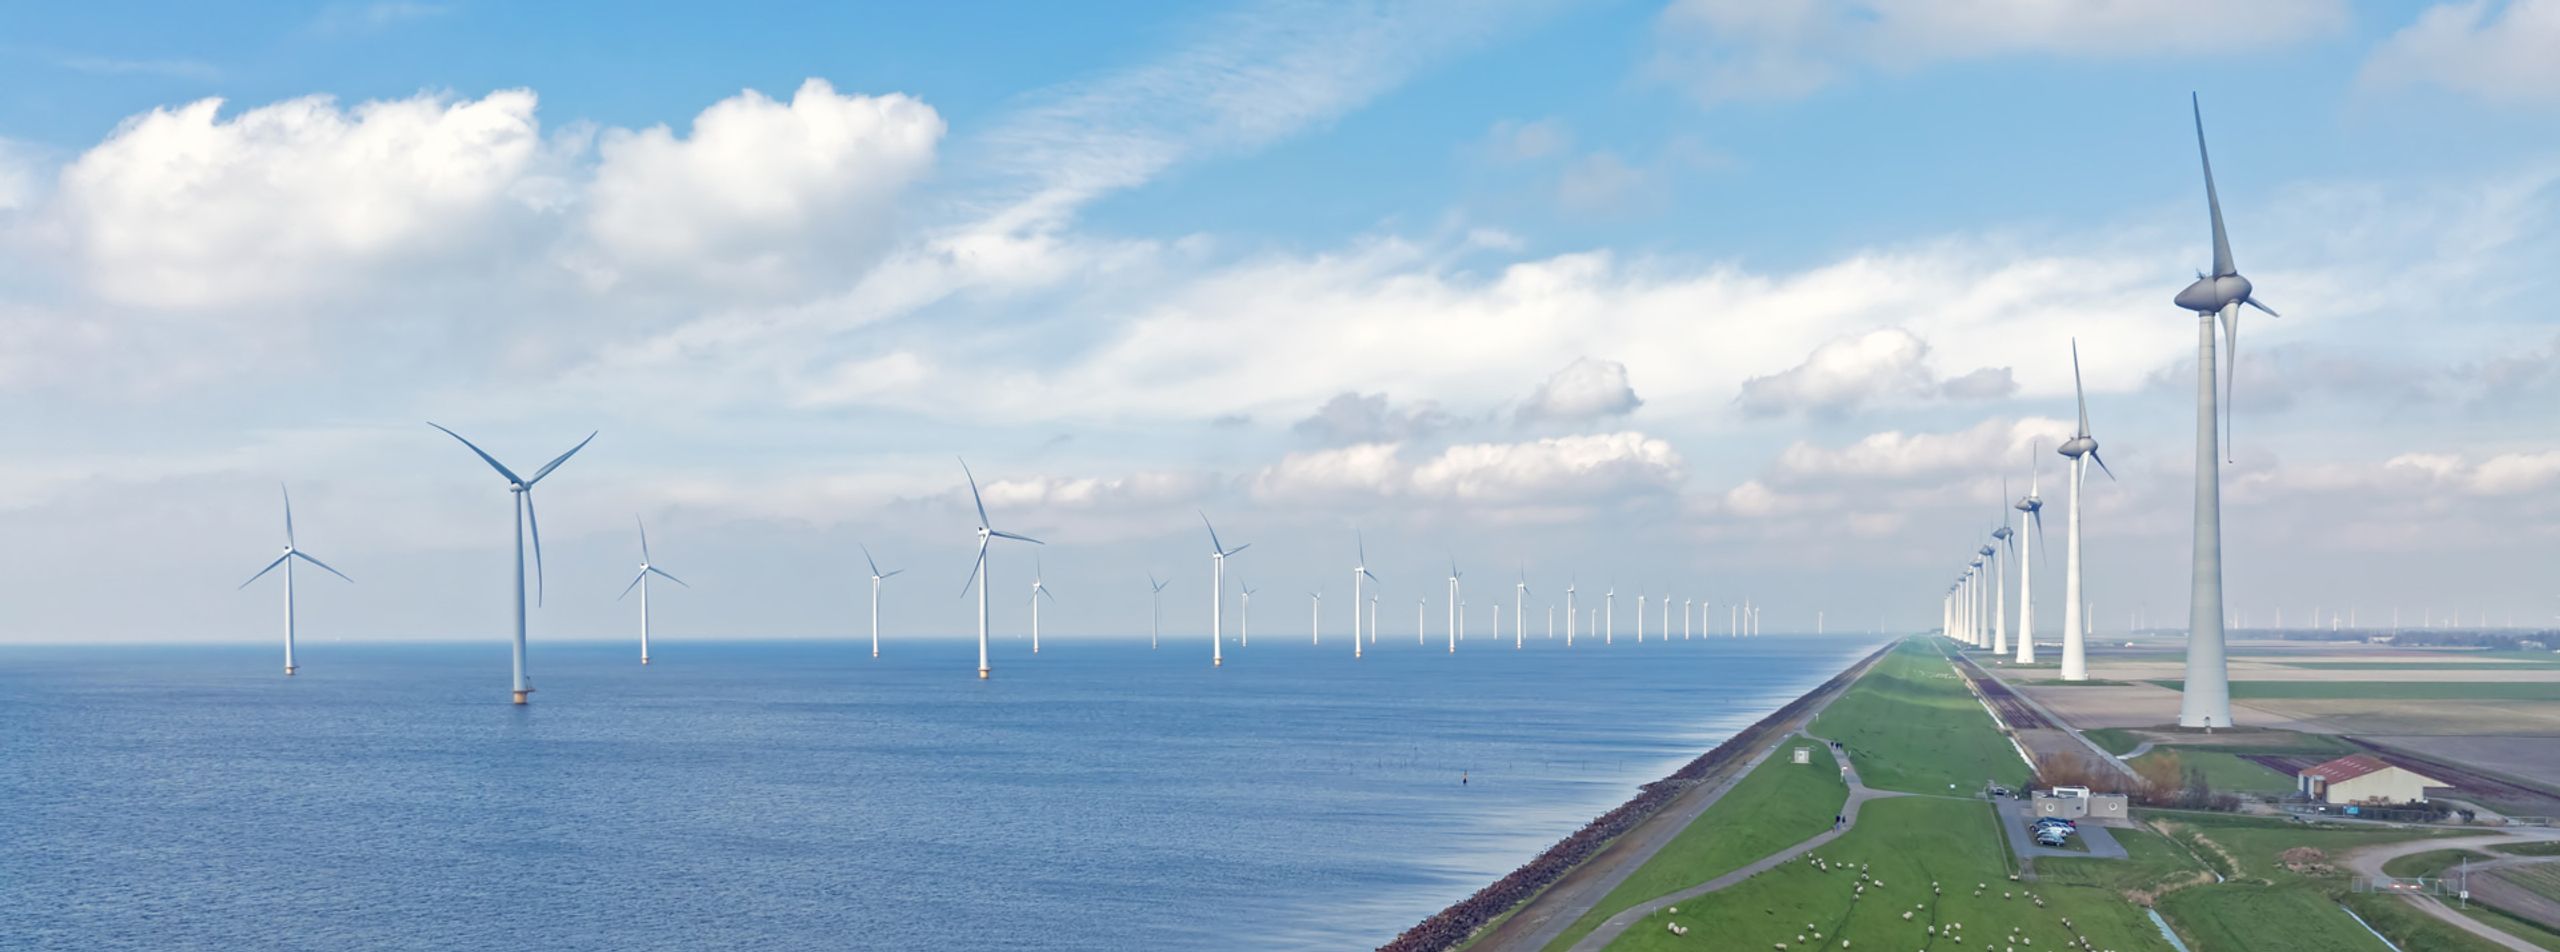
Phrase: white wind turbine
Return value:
(1420, 604)
(1315, 615)
(2082, 450)
(1666, 618)
(1687, 621)
(1454, 575)
(1218, 553)
(1359, 572)
(1244, 615)
(877, 577)
(978, 573)
(2006, 538)
(1156, 633)
(1039, 590)
(1639, 616)
(2205, 700)
(522, 489)
(291, 552)
(1373, 618)
(1609, 611)
(1519, 613)
(1572, 607)
(641, 582)
(2033, 505)
(1990, 563)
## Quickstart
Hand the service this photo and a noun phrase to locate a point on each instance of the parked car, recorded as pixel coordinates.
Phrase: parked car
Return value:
(2053, 837)
(2055, 821)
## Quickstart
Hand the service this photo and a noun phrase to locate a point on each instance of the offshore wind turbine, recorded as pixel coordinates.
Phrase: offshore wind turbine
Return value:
(1156, 633)
(1570, 606)
(1315, 615)
(522, 489)
(2082, 449)
(877, 577)
(2033, 505)
(978, 574)
(1244, 615)
(1373, 618)
(291, 552)
(2205, 700)
(641, 581)
(1039, 590)
(1421, 603)
(1609, 601)
(1360, 571)
(1218, 553)
(1454, 575)
(1666, 618)
(1519, 614)
(1639, 616)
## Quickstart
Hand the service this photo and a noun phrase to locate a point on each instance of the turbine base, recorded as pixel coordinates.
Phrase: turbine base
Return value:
(520, 699)
(288, 671)
(644, 659)
(982, 674)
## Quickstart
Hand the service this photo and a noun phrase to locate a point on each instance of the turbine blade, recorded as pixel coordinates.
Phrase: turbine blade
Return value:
(868, 560)
(2076, 390)
(1214, 544)
(2102, 465)
(635, 583)
(2221, 240)
(2037, 516)
(2230, 372)
(484, 454)
(891, 572)
(1372, 575)
(2252, 301)
(644, 538)
(535, 521)
(562, 458)
(973, 492)
(1015, 537)
(271, 566)
(664, 574)
(974, 564)
(1362, 541)
(1044, 590)
(1240, 548)
(305, 556)
(288, 514)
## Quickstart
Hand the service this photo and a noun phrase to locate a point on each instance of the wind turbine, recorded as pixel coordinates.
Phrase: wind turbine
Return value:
(1639, 616)
(1244, 615)
(1420, 604)
(291, 552)
(1454, 575)
(1572, 605)
(2007, 538)
(522, 489)
(1687, 621)
(1359, 571)
(1609, 603)
(978, 574)
(877, 577)
(1315, 614)
(1990, 563)
(1218, 553)
(1039, 590)
(2082, 449)
(641, 581)
(1156, 633)
(2205, 701)
(1666, 618)
(1519, 615)
(1373, 618)
(2033, 505)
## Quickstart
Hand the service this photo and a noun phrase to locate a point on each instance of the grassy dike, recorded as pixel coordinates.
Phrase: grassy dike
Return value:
(1777, 805)
(1911, 726)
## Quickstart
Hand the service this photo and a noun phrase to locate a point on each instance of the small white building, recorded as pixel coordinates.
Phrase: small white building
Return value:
(2364, 778)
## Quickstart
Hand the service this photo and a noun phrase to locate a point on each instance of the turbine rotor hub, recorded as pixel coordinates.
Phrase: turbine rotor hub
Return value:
(2077, 446)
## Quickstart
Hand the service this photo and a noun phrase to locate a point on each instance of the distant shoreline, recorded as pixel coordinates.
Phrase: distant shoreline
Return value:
(1455, 925)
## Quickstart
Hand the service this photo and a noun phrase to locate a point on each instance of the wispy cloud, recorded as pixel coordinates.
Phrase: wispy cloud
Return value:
(114, 66)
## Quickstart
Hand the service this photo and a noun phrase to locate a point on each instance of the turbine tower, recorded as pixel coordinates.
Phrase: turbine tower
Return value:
(291, 552)
(1639, 616)
(978, 573)
(1571, 605)
(1244, 615)
(2033, 505)
(2007, 538)
(1359, 571)
(1218, 553)
(2205, 700)
(2082, 450)
(1519, 614)
(1990, 563)
(1315, 616)
(1155, 634)
(1039, 590)
(522, 489)
(641, 581)
(1454, 575)
(877, 577)
(1609, 612)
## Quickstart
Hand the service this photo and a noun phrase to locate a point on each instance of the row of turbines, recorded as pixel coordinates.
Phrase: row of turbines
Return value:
(1743, 618)
(1974, 614)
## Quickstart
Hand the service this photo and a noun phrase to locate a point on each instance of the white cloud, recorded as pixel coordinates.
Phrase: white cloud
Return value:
(2505, 474)
(1989, 446)
(1723, 50)
(1551, 471)
(1153, 490)
(1585, 390)
(18, 176)
(2505, 52)
(1371, 418)
(760, 190)
(181, 207)
(1880, 366)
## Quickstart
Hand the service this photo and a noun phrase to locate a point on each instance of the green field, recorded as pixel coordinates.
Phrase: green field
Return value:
(2429, 864)
(2543, 848)
(1905, 844)
(2265, 906)
(2422, 665)
(2389, 690)
(1779, 804)
(2114, 740)
(2226, 771)
(1911, 725)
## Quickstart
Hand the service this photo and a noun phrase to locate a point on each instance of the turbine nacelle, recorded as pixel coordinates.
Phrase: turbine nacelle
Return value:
(2077, 446)
(2029, 504)
(2210, 294)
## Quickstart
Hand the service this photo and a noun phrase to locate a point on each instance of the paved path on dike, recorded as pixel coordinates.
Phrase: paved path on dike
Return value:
(1859, 793)
(2369, 860)
(1545, 916)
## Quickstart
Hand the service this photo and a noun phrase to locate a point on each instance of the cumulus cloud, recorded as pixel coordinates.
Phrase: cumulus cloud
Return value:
(1144, 490)
(1894, 454)
(1370, 418)
(1545, 471)
(2502, 52)
(1513, 140)
(1879, 366)
(183, 207)
(1584, 391)
(759, 189)
(2504, 474)
(1720, 50)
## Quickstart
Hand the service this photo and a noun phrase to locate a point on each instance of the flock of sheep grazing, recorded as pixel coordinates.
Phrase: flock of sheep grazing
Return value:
(1931, 932)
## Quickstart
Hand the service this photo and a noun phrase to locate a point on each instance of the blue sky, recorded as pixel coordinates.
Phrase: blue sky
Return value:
(1742, 299)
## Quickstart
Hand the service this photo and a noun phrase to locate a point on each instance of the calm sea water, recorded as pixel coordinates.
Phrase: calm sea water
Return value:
(793, 795)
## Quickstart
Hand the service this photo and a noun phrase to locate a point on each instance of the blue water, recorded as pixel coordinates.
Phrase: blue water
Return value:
(802, 795)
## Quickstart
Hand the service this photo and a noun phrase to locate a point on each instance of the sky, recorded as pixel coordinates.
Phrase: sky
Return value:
(1722, 298)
